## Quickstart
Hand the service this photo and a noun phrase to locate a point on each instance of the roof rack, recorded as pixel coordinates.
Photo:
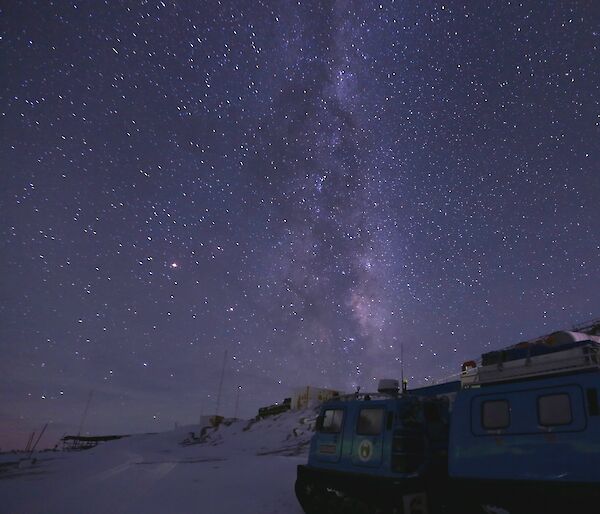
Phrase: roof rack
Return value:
(364, 396)
(579, 356)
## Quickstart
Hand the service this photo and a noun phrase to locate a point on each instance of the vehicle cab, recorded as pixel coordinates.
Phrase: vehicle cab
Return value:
(381, 446)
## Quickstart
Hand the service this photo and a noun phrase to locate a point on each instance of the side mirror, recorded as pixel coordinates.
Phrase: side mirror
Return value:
(319, 425)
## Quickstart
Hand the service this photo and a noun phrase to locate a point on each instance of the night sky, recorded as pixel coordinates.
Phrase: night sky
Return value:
(308, 185)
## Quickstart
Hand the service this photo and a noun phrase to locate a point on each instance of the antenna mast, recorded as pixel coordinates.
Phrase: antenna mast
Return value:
(237, 401)
(402, 367)
(402, 362)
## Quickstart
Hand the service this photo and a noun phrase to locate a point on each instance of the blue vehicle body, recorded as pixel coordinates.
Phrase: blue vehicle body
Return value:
(526, 449)
(532, 442)
(522, 433)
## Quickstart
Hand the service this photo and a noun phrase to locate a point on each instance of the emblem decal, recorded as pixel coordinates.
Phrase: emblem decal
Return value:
(365, 450)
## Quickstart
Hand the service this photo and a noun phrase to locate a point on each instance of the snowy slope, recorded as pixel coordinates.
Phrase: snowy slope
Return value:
(245, 468)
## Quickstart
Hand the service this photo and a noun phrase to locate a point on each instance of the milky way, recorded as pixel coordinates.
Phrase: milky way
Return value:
(311, 186)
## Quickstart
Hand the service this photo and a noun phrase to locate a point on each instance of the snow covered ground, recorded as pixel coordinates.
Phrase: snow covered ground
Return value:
(246, 468)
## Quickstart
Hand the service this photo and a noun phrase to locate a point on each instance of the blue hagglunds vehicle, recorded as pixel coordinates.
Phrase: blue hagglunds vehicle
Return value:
(519, 431)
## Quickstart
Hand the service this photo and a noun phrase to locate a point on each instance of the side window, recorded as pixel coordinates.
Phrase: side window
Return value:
(495, 414)
(593, 405)
(332, 421)
(554, 410)
(370, 422)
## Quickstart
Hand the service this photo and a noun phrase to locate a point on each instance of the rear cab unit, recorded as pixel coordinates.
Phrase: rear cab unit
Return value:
(526, 427)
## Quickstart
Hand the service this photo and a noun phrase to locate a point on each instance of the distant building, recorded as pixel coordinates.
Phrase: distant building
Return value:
(276, 408)
(311, 396)
(83, 442)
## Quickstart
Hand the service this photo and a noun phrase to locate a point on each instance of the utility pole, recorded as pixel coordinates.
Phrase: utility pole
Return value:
(29, 441)
(37, 440)
(221, 383)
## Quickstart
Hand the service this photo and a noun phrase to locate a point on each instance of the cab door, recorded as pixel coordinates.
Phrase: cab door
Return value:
(329, 437)
(367, 443)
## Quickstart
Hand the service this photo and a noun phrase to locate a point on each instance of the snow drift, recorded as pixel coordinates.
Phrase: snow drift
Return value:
(245, 467)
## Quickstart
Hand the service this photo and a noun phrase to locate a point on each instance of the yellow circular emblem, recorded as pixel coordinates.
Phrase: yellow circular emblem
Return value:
(365, 450)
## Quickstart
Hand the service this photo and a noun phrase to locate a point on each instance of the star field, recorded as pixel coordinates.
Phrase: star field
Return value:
(307, 185)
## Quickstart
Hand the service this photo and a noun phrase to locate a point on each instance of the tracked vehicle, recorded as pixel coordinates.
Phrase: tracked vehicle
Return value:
(520, 430)
(385, 452)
